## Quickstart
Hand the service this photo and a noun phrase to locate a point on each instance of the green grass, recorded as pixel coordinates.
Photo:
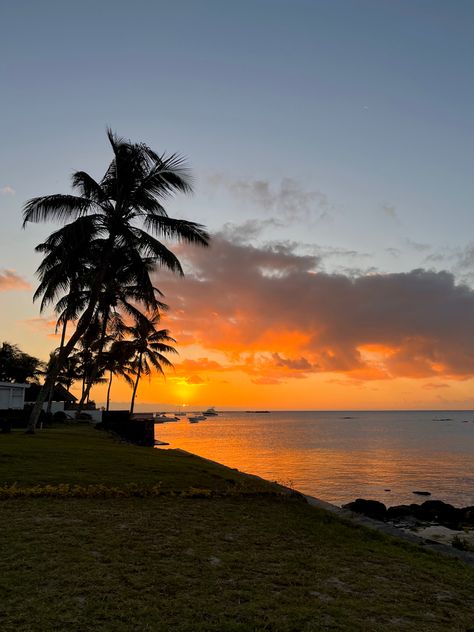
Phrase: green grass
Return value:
(198, 565)
(81, 455)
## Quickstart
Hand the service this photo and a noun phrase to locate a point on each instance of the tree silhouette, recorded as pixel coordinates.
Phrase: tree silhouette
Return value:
(149, 346)
(120, 218)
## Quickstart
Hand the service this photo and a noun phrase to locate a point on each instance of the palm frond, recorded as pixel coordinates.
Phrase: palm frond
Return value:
(160, 254)
(177, 229)
(55, 207)
(88, 187)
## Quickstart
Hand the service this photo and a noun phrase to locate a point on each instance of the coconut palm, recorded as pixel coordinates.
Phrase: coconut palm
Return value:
(117, 362)
(149, 345)
(118, 300)
(123, 212)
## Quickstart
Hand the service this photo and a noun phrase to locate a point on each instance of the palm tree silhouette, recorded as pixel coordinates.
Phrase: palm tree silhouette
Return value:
(117, 362)
(149, 346)
(122, 219)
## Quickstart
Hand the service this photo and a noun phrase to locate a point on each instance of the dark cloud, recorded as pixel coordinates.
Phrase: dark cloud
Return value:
(296, 364)
(275, 302)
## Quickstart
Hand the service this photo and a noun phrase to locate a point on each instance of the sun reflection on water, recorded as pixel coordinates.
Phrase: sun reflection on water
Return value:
(385, 456)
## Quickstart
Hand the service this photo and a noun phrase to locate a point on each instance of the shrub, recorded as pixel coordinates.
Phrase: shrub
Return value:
(59, 416)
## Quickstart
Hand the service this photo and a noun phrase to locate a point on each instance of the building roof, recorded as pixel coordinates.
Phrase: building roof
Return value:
(14, 385)
(60, 394)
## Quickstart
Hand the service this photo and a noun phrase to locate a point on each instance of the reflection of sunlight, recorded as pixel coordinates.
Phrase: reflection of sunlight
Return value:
(334, 457)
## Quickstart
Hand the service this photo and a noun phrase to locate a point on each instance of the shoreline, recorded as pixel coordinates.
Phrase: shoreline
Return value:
(359, 519)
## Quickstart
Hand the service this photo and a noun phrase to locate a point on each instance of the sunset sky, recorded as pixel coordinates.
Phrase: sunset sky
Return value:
(332, 148)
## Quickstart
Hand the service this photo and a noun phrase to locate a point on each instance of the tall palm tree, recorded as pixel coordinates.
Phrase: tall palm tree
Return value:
(123, 212)
(149, 345)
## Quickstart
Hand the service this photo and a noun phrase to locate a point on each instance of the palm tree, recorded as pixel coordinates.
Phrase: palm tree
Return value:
(115, 302)
(122, 214)
(149, 345)
(117, 362)
(70, 372)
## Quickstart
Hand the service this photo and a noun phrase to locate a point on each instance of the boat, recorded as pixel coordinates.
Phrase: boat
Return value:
(193, 419)
(210, 412)
(161, 418)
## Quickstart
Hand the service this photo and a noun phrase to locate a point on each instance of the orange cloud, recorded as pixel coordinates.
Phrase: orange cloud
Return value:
(270, 313)
(10, 280)
(42, 324)
(195, 379)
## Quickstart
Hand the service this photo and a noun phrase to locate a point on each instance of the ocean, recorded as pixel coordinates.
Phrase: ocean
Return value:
(339, 456)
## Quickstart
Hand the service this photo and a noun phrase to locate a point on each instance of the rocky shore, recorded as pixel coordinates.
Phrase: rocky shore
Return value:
(433, 519)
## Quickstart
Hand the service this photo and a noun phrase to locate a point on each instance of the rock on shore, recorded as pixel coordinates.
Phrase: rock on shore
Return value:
(431, 511)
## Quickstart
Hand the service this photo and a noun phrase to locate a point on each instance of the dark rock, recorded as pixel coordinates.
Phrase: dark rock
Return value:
(370, 508)
(468, 515)
(438, 511)
(402, 511)
(387, 490)
(422, 493)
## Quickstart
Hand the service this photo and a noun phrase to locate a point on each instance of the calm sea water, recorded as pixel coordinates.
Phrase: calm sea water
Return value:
(340, 456)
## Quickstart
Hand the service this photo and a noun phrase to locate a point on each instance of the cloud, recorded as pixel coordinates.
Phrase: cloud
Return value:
(201, 364)
(10, 280)
(42, 324)
(195, 379)
(390, 211)
(416, 245)
(275, 315)
(288, 199)
(248, 230)
(297, 364)
(7, 190)
(266, 381)
(435, 385)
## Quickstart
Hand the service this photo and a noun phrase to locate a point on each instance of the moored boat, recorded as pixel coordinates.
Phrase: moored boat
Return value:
(210, 412)
(193, 419)
(161, 418)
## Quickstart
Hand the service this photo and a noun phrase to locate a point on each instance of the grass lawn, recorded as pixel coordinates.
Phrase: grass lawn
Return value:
(178, 562)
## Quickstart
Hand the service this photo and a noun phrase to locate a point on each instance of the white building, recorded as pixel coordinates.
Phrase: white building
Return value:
(12, 395)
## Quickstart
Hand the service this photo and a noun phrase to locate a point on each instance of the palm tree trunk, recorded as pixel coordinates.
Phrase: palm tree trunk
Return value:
(51, 390)
(95, 367)
(132, 403)
(108, 391)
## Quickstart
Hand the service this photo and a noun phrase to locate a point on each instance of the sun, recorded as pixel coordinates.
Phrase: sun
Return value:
(184, 392)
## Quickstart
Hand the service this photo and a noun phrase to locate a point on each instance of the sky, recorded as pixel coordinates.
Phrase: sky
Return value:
(331, 144)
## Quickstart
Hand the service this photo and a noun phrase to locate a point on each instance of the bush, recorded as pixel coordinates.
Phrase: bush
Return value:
(60, 416)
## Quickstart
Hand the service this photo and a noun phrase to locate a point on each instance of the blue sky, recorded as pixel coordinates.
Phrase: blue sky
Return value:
(344, 127)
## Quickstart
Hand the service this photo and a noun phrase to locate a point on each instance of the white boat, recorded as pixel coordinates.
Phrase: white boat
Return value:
(210, 412)
(161, 418)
